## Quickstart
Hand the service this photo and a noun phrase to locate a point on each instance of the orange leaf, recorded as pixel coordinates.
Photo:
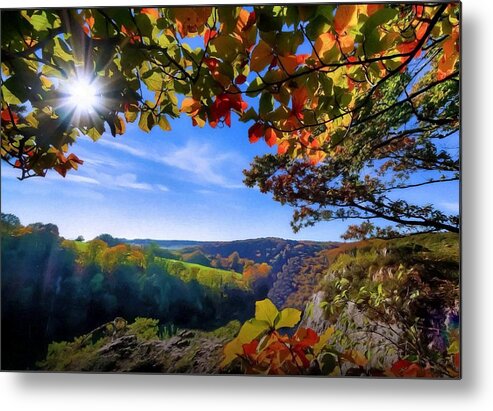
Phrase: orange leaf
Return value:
(283, 147)
(270, 136)
(261, 56)
(324, 43)
(345, 17)
(190, 106)
(373, 8)
(190, 21)
(154, 12)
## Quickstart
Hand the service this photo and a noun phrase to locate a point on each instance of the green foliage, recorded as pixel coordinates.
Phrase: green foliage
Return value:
(406, 292)
(76, 355)
(144, 329)
(210, 277)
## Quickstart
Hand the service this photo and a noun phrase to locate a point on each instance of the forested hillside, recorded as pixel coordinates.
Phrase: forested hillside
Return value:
(55, 289)
(372, 307)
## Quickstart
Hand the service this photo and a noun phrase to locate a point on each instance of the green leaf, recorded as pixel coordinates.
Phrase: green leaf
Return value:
(316, 27)
(94, 134)
(9, 97)
(288, 317)
(146, 121)
(266, 104)
(380, 17)
(40, 22)
(154, 81)
(248, 115)
(266, 311)
(254, 85)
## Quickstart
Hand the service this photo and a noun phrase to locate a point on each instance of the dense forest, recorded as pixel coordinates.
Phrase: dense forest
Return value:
(54, 289)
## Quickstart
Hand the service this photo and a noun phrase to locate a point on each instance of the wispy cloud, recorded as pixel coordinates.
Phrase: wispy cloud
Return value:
(452, 206)
(200, 161)
(125, 148)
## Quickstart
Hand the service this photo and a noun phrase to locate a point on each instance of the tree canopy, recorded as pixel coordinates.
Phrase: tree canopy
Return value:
(341, 90)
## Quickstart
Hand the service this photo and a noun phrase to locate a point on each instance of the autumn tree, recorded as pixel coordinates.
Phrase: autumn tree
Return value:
(339, 89)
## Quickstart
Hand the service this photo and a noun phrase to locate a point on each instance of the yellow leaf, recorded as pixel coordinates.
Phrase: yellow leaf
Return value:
(261, 56)
(288, 317)
(356, 357)
(46, 82)
(324, 338)
(266, 311)
(163, 123)
(231, 351)
(251, 329)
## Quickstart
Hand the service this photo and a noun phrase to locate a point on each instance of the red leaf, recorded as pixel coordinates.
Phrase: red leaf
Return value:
(209, 35)
(252, 18)
(240, 79)
(250, 348)
(299, 97)
(222, 106)
(6, 116)
(256, 132)
(61, 170)
(270, 137)
(76, 159)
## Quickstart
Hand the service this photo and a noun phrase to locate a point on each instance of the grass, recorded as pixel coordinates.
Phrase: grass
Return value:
(210, 277)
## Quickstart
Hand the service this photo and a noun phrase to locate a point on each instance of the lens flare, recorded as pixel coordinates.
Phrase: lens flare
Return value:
(82, 95)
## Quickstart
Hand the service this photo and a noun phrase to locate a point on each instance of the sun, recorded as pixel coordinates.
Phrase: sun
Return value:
(82, 95)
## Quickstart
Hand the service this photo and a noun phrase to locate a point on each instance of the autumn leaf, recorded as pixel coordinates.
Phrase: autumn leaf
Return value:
(190, 21)
(288, 317)
(345, 17)
(373, 8)
(283, 147)
(270, 136)
(290, 63)
(261, 56)
(152, 12)
(323, 44)
(265, 310)
(190, 106)
(256, 132)
(7, 118)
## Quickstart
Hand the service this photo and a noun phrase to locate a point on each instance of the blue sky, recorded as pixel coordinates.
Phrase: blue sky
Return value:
(182, 184)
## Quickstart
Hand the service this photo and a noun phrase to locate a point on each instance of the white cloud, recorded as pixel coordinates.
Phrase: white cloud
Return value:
(451, 206)
(162, 188)
(200, 161)
(123, 147)
(75, 178)
(202, 164)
